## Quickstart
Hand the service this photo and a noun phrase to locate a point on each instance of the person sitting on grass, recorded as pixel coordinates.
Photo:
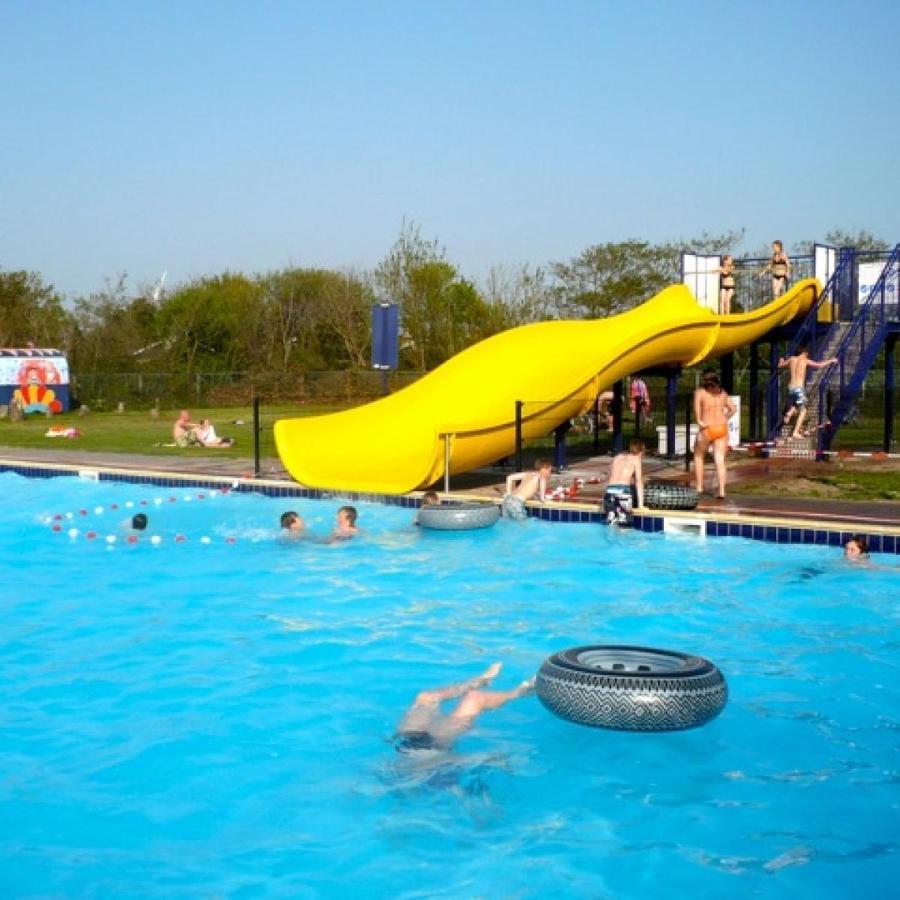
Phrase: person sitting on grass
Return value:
(207, 436)
(184, 431)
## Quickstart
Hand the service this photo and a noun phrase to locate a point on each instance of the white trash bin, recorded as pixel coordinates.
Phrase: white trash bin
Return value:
(662, 439)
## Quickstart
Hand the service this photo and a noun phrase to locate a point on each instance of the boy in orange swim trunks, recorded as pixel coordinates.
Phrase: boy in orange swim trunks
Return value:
(712, 410)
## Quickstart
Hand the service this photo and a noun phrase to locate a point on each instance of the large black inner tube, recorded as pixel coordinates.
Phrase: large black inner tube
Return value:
(660, 495)
(631, 688)
(456, 516)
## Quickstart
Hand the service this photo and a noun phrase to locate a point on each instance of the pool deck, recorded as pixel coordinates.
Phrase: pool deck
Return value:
(835, 514)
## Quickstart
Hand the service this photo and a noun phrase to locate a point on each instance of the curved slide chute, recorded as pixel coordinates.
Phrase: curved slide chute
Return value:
(397, 444)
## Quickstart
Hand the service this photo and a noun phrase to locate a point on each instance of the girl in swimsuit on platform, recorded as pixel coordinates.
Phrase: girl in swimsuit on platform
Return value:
(780, 267)
(712, 410)
(726, 284)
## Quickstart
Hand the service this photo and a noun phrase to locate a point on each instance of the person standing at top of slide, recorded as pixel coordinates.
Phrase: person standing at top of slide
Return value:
(712, 410)
(780, 267)
(726, 283)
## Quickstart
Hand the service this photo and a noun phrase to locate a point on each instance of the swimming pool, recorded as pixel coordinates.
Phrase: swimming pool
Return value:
(215, 718)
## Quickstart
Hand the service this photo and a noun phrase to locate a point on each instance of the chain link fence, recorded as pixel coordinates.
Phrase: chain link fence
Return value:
(141, 390)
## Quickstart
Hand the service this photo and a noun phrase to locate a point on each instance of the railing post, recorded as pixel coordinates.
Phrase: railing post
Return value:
(617, 416)
(256, 469)
(519, 405)
(726, 364)
(754, 392)
(447, 463)
(889, 347)
(559, 445)
(671, 401)
(773, 405)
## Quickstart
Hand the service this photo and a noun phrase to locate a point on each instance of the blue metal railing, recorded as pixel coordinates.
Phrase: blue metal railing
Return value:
(808, 333)
(856, 352)
(754, 292)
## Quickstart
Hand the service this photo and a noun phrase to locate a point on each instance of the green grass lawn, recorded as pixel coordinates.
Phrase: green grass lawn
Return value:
(139, 432)
(862, 485)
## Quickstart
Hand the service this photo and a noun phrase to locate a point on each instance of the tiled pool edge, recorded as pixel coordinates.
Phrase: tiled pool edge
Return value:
(753, 528)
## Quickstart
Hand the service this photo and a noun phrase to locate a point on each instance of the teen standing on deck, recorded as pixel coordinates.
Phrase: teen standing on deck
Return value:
(712, 410)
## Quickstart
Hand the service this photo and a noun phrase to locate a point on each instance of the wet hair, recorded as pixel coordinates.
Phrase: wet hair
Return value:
(351, 513)
(288, 518)
(860, 542)
(541, 463)
(636, 446)
(430, 498)
(139, 522)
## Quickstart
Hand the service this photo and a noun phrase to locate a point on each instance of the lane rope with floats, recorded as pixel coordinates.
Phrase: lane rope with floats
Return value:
(58, 521)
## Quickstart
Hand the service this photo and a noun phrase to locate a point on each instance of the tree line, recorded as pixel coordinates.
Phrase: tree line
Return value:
(296, 320)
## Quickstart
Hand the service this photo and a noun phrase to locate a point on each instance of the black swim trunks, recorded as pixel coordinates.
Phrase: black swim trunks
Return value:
(618, 502)
(410, 741)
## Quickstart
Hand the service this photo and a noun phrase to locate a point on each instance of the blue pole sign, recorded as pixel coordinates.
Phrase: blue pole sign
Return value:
(385, 335)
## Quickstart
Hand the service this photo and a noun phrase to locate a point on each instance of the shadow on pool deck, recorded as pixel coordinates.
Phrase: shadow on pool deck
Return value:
(489, 482)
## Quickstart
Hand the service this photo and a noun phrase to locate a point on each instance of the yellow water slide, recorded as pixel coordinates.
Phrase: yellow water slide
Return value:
(399, 443)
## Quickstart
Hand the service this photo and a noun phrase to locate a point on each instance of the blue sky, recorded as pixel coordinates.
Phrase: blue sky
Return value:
(198, 137)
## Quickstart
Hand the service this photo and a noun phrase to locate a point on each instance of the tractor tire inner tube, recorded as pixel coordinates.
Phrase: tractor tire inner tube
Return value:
(458, 516)
(660, 495)
(631, 688)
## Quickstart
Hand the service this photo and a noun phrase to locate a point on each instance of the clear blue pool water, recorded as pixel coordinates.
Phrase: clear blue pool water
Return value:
(214, 720)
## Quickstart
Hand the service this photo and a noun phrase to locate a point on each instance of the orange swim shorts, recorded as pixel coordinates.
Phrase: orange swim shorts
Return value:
(714, 432)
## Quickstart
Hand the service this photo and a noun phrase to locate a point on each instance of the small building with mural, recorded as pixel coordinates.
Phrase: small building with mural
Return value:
(37, 380)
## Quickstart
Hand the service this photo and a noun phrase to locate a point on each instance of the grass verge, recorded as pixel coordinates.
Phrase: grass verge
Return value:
(139, 432)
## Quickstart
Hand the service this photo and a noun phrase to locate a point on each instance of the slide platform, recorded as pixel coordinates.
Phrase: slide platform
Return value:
(398, 443)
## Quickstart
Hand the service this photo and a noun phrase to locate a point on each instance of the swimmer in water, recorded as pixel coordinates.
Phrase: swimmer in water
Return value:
(425, 727)
(523, 486)
(292, 524)
(856, 548)
(625, 486)
(429, 498)
(345, 526)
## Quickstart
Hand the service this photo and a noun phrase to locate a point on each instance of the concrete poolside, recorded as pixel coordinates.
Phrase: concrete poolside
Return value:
(837, 514)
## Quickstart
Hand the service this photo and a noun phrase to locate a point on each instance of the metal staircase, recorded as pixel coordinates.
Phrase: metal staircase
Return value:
(816, 418)
(855, 344)
(856, 352)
